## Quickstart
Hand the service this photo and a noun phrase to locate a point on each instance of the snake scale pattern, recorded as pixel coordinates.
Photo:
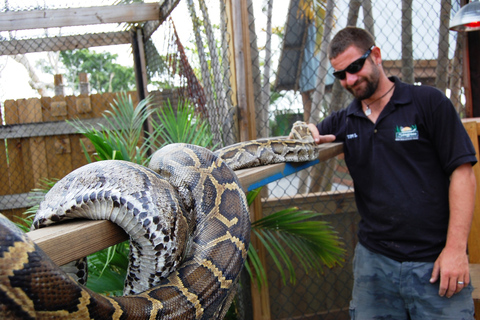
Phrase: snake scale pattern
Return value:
(188, 223)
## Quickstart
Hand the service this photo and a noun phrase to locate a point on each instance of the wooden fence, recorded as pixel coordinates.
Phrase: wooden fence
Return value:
(37, 143)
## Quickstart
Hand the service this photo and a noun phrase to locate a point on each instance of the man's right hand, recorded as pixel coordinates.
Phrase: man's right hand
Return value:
(320, 138)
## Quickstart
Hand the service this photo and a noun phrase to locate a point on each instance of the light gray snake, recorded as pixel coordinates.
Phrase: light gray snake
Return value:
(189, 227)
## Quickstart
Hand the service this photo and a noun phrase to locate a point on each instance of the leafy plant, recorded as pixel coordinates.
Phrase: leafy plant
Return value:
(36, 195)
(107, 269)
(183, 125)
(121, 137)
(313, 242)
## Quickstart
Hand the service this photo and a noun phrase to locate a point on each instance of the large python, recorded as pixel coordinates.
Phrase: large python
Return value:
(188, 222)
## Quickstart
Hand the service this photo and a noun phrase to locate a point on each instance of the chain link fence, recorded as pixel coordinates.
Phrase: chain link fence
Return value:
(61, 73)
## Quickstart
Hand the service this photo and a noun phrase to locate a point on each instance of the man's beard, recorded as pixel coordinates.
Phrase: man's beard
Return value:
(371, 85)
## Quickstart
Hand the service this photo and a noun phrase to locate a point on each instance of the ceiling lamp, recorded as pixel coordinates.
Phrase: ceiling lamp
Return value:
(467, 18)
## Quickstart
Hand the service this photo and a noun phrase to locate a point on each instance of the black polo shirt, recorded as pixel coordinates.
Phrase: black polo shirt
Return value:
(401, 167)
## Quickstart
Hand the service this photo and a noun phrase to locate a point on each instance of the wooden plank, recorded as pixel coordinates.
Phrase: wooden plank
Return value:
(86, 236)
(58, 156)
(16, 171)
(474, 239)
(4, 189)
(45, 128)
(78, 156)
(35, 161)
(14, 47)
(37, 19)
(11, 116)
(11, 112)
(474, 120)
(16, 174)
(475, 280)
(30, 111)
(3, 167)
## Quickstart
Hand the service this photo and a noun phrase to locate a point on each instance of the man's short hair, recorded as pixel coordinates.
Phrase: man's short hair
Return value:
(344, 38)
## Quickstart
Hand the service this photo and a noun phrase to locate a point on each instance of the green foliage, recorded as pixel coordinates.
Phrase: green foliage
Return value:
(104, 74)
(183, 125)
(299, 232)
(107, 269)
(37, 196)
(119, 138)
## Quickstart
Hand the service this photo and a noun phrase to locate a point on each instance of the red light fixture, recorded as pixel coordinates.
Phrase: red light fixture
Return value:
(467, 18)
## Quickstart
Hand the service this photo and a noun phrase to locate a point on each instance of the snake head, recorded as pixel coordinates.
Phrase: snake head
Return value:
(300, 131)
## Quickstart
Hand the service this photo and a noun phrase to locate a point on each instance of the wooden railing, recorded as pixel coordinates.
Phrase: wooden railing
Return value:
(66, 242)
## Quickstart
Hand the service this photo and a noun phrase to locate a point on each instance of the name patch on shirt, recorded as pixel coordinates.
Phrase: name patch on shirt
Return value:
(406, 133)
(352, 136)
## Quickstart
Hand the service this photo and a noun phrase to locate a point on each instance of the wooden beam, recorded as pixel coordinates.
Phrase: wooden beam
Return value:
(37, 19)
(43, 129)
(68, 241)
(86, 236)
(13, 47)
(243, 68)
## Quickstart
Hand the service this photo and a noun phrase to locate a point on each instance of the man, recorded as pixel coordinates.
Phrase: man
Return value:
(411, 162)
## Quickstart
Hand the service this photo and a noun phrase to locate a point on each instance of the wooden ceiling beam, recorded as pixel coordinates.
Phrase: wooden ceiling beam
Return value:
(13, 47)
(53, 18)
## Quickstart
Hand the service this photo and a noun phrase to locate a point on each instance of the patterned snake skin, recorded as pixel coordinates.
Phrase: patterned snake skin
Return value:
(188, 222)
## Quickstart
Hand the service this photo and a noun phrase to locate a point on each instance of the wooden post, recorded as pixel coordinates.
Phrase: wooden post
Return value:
(243, 69)
(471, 125)
(82, 108)
(247, 128)
(139, 58)
(58, 148)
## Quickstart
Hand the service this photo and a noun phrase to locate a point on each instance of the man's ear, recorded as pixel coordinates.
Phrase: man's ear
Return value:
(376, 55)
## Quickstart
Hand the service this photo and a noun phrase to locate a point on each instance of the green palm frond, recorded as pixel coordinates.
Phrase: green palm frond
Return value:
(299, 233)
(107, 269)
(183, 125)
(119, 138)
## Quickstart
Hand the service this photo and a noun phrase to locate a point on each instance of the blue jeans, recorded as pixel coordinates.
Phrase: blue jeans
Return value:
(388, 289)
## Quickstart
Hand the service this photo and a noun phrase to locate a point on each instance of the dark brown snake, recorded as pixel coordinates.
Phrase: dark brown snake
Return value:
(189, 227)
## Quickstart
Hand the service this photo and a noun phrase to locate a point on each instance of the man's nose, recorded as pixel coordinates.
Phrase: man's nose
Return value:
(350, 79)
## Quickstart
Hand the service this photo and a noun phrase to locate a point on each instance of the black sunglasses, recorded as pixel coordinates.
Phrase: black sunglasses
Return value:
(353, 67)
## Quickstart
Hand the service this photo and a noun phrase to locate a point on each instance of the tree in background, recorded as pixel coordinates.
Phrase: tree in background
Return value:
(105, 75)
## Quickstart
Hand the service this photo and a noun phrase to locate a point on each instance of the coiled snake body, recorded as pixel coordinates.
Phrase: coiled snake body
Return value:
(188, 222)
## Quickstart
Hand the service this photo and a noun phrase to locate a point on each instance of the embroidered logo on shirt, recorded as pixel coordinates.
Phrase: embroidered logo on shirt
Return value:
(406, 133)
(352, 136)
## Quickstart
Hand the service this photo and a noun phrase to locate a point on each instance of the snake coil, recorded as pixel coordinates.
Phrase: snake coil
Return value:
(189, 228)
